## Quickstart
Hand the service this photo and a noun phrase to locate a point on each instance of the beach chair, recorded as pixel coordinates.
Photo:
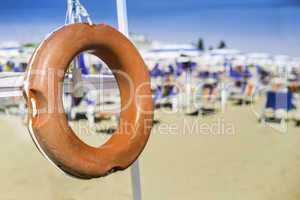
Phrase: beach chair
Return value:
(236, 79)
(170, 70)
(207, 96)
(164, 96)
(94, 107)
(264, 76)
(244, 94)
(185, 65)
(156, 72)
(296, 103)
(156, 75)
(249, 93)
(210, 97)
(277, 107)
(242, 90)
(179, 69)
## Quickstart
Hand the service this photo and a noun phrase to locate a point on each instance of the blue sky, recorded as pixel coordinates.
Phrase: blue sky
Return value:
(249, 25)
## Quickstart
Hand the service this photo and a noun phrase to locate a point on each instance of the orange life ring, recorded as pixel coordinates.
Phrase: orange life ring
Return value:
(47, 121)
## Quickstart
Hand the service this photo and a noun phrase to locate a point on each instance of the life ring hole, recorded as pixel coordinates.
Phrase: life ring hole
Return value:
(91, 99)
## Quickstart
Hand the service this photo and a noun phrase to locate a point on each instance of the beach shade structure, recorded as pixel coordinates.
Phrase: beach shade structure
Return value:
(185, 69)
(185, 64)
(227, 53)
(189, 66)
(258, 58)
(239, 72)
(207, 90)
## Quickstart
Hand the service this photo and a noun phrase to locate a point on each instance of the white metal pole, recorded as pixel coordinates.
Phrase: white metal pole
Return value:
(122, 17)
(135, 170)
(136, 181)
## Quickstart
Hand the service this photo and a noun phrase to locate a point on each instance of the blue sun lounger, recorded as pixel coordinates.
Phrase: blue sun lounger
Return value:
(277, 101)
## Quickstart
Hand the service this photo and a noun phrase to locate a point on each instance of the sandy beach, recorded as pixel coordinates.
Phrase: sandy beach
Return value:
(244, 160)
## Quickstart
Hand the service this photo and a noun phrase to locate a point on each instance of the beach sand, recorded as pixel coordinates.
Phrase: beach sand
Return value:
(184, 159)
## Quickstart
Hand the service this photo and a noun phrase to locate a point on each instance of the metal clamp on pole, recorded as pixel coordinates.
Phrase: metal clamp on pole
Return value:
(76, 13)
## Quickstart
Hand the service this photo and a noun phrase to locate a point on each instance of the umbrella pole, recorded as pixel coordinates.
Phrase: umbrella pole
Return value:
(135, 170)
